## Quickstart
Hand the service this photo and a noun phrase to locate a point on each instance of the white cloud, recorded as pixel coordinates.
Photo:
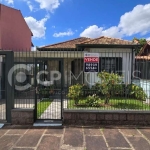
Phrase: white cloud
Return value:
(148, 38)
(9, 2)
(94, 31)
(31, 7)
(113, 31)
(49, 5)
(62, 34)
(136, 21)
(37, 26)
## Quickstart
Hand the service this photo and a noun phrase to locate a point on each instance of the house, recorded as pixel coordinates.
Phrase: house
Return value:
(143, 62)
(14, 32)
(115, 55)
(142, 69)
(145, 51)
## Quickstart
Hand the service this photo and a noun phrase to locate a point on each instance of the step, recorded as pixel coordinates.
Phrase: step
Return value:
(48, 123)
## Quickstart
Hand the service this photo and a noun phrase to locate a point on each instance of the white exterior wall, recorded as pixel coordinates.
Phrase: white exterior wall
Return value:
(125, 54)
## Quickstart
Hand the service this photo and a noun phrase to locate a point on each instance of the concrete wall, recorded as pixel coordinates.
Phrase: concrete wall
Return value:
(22, 116)
(82, 117)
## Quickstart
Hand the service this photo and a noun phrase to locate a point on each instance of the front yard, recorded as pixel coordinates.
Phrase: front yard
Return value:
(114, 104)
(110, 93)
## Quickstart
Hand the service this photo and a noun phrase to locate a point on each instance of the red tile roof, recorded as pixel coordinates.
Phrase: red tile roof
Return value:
(108, 40)
(143, 57)
(67, 44)
(101, 40)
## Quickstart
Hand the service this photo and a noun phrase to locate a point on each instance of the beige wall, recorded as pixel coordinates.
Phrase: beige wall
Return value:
(124, 53)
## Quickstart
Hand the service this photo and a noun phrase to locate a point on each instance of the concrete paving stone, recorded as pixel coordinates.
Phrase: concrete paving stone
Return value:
(2, 132)
(73, 137)
(23, 149)
(16, 127)
(38, 127)
(54, 131)
(73, 149)
(119, 149)
(139, 143)
(115, 138)
(36, 131)
(130, 132)
(49, 143)
(17, 131)
(92, 131)
(6, 142)
(145, 132)
(95, 143)
(31, 138)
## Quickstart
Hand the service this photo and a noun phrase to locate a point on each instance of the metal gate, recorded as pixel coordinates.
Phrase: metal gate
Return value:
(6, 84)
(49, 87)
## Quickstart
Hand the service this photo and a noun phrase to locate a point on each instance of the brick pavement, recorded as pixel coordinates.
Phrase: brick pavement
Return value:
(74, 138)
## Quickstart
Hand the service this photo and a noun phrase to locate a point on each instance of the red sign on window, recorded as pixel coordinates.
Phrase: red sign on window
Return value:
(91, 59)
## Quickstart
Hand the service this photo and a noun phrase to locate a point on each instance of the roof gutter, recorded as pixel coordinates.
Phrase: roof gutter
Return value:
(106, 46)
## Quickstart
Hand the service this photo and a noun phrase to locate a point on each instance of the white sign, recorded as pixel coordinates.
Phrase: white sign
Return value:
(91, 62)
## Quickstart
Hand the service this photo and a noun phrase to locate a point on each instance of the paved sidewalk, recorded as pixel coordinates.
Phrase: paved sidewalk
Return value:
(74, 138)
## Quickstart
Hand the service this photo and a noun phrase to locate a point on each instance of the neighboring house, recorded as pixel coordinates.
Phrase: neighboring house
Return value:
(15, 35)
(115, 55)
(145, 51)
(143, 62)
(14, 32)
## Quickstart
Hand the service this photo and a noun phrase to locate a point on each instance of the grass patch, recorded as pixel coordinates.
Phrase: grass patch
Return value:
(42, 106)
(114, 104)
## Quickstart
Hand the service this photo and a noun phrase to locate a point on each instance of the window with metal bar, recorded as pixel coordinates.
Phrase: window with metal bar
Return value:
(110, 64)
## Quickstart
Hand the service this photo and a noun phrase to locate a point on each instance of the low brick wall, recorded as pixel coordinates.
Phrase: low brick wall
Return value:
(22, 116)
(81, 117)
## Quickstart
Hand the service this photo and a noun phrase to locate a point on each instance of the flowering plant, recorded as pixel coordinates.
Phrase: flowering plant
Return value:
(93, 101)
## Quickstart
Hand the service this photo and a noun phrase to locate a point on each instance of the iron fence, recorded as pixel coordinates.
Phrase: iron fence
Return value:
(2, 88)
(43, 80)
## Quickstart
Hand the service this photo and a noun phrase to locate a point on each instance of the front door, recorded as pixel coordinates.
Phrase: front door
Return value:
(48, 84)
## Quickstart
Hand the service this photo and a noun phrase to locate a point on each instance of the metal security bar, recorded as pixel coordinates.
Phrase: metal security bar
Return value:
(118, 61)
(49, 80)
(2, 87)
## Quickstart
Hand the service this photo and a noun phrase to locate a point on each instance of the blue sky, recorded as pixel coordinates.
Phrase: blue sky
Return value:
(53, 21)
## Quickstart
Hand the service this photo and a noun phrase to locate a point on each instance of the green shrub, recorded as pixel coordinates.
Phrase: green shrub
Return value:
(85, 87)
(108, 81)
(75, 92)
(96, 89)
(119, 89)
(136, 92)
(92, 101)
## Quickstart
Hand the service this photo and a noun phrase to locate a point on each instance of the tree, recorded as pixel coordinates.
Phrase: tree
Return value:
(141, 41)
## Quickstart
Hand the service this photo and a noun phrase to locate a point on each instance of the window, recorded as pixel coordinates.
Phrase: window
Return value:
(110, 64)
